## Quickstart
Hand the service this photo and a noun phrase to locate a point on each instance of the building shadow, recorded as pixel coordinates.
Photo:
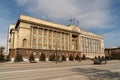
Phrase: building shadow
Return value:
(97, 74)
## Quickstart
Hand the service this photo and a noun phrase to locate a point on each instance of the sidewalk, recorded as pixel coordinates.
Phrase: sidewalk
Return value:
(83, 62)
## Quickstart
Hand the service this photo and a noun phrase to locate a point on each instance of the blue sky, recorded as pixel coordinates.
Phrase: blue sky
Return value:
(97, 16)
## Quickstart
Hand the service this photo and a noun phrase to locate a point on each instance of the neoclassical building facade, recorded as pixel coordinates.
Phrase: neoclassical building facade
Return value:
(31, 35)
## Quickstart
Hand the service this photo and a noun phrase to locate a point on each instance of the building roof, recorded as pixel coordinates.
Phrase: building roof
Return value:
(36, 21)
(112, 48)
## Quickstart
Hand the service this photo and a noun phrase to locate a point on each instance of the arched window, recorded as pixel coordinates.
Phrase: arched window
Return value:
(24, 42)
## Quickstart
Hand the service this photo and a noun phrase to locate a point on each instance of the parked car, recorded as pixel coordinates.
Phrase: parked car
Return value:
(33, 61)
(97, 61)
(103, 61)
(100, 61)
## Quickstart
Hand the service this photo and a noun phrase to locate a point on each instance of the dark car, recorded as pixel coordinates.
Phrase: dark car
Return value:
(33, 61)
(100, 61)
(103, 61)
(97, 61)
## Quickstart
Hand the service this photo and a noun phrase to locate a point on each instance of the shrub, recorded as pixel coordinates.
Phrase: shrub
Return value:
(99, 57)
(2, 57)
(42, 57)
(18, 57)
(63, 58)
(95, 57)
(71, 58)
(31, 57)
(1, 54)
(77, 57)
(52, 57)
(57, 57)
(84, 57)
(8, 58)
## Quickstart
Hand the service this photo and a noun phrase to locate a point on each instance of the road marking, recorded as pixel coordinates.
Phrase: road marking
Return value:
(45, 69)
(115, 70)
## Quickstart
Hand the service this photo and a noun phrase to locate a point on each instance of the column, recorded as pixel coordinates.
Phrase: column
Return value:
(64, 42)
(90, 45)
(13, 39)
(60, 41)
(78, 45)
(43, 39)
(31, 41)
(37, 33)
(47, 39)
(52, 39)
(97, 46)
(85, 44)
(93, 45)
(70, 41)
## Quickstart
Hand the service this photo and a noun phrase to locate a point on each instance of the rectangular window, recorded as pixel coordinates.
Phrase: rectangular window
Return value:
(34, 40)
(34, 46)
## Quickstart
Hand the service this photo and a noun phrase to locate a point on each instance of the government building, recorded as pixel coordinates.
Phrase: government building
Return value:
(35, 36)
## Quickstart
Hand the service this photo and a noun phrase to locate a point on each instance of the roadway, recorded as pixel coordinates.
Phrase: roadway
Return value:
(84, 70)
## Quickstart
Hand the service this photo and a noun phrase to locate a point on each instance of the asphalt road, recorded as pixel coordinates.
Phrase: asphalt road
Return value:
(84, 70)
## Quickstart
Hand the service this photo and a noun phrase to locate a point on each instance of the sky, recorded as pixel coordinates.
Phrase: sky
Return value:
(97, 16)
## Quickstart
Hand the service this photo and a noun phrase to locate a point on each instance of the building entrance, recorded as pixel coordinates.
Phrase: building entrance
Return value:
(74, 42)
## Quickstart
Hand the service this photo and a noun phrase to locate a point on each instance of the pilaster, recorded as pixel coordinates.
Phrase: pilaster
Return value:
(43, 39)
(37, 34)
(47, 38)
(70, 41)
(52, 40)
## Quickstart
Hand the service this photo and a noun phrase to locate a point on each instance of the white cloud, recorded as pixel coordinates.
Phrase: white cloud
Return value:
(91, 13)
(22, 2)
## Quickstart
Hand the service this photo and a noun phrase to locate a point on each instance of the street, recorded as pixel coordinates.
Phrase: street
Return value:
(84, 70)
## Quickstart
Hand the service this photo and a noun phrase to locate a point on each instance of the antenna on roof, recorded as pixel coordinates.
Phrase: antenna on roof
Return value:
(77, 24)
(73, 21)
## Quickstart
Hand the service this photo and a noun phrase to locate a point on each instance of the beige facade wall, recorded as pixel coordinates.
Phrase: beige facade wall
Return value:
(24, 32)
(92, 44)
(9, 37)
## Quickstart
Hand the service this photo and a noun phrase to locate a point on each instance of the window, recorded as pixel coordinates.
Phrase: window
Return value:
(40, 35)
(24, 42)
(40, 47)
(34, 35)
(34, 40)
(44, 47)
(34, 46)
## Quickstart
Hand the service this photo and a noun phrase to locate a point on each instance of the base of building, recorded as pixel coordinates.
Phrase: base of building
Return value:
(46, 54)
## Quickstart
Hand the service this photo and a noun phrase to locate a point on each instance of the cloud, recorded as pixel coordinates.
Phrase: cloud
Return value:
(22, 2)
(91, 13)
